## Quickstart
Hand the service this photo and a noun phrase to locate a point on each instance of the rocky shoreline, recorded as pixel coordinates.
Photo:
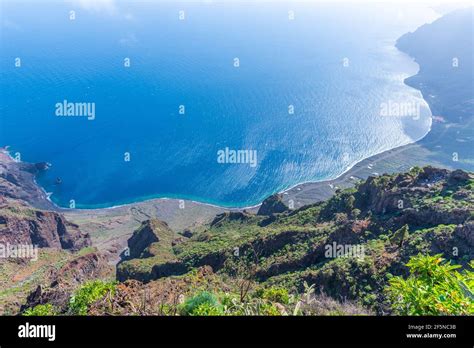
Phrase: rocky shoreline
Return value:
(18, 181)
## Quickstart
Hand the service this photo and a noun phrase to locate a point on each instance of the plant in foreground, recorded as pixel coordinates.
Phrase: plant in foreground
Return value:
(434, 287)
(41, 310)
(89, 293)
(204, 303)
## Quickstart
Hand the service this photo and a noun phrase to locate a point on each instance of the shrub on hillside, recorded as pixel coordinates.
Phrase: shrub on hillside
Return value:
(204, 303)
(41, 310)
(89, 293)
(274, 294)
(434, 287)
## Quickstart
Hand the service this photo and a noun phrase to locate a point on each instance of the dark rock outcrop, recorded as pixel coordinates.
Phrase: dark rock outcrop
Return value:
(272, 205)
(229, 216)
(432, 216)
(465, 233)
(151, 231)
(151, 253)
(458, 177)
(187, 233)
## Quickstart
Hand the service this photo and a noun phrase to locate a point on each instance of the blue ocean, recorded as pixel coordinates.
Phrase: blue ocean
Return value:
(301, 86)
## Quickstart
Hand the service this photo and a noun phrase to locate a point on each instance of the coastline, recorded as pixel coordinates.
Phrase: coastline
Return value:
(301, 193)
(347, 178)
(111, 227)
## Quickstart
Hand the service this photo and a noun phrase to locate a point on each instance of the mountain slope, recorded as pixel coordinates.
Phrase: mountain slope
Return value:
(347, 246)
(444, 50)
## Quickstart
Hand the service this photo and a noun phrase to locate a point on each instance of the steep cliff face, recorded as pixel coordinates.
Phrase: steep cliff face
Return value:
(26, 215)
(57, 267)
(21, 224)
(17, 181)
(61, 283)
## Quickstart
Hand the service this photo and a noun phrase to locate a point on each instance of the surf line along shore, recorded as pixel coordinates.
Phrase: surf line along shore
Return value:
(393, 160)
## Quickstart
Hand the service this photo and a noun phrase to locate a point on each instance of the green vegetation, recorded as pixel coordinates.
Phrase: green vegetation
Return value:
(204, 303)
(270, 301)
(274, 294)
(399, 236)
(434, 287)
(41, 310)
(254, 307)
(89, 293)
(17, 280)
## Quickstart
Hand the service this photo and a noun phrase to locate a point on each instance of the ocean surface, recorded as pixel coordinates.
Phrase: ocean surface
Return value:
(299, 85)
